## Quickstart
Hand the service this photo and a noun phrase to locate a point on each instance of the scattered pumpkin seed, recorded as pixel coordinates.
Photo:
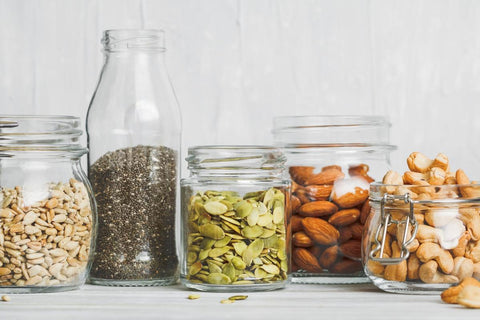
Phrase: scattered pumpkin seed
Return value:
(194, 296)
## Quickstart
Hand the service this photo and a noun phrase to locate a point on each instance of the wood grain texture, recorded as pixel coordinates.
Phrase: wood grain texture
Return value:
(295, 302)
(236, 64)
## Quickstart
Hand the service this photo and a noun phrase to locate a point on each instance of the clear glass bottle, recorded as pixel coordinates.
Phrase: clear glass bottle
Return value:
(134, 136)
(331, 161)
(422, 245)
(234, 213)
(47, 209)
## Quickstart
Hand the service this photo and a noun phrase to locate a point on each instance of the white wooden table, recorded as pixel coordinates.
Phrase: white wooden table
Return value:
(298, 302)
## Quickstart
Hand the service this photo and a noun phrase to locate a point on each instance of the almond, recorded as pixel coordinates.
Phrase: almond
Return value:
(352, 249)
(300, 239)
(346, 266)
(328, 257)
(295, 203)
(357, 231)
(320, 231)
(316, 251)
(301, 194)
(296, 223)
(345, 234)
(300, 174)
(349, 199)
(306, 260)
(328, 176)
(333, 166)
(319, 192)
(344, 217)
(365, 212)
(360, 170)
(317, 209)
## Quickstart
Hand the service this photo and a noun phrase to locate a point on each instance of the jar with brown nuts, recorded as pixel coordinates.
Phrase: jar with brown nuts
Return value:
(234, 235)
(47, 210)
(332, 160)
(424, 229)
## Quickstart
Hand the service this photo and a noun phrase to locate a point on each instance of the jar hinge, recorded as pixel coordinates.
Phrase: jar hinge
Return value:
(386, 221)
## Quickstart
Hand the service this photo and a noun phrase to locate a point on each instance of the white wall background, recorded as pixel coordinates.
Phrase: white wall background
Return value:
(236, 64)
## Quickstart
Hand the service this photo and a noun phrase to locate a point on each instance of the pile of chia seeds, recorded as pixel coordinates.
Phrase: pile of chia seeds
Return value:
(135, 193)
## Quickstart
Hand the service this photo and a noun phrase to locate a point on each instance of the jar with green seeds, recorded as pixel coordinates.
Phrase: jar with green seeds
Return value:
(234, 219)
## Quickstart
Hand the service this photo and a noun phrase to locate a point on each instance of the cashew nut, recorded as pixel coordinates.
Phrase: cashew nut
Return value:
(473, 251)
(476, 270)
(471, 219)
(410, 177)
(420, 218)
(451, 233)
(413, 265)
(440, 217)
(440, 161)
(459, 251)
(427, 234)
(428, 273)
(436, 176)
(413, 246)
(397, 272)
(463, 268)
(392, 178)
(432, 251)
(418, 162)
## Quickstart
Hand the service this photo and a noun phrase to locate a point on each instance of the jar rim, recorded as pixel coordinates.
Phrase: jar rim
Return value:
(117, 40)
(440, 195)
(327, 120)
(228, 160)
(54, 135)
(331, 131)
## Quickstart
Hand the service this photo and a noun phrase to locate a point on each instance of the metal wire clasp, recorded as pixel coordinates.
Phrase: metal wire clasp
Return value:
(386, 221)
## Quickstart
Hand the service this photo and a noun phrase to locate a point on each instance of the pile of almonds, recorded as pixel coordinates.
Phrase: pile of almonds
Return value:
(329, 211)
(446, 248)
(45, 243)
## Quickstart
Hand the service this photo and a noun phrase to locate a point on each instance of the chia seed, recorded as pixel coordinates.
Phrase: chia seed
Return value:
(135, 190)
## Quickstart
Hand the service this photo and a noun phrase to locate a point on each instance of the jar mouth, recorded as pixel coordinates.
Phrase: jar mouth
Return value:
(447, 193)
(117, 40)
(40, 133)
(226, 160)
(336, 131)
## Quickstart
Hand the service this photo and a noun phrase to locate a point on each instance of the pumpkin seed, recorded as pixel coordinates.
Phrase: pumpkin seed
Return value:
(211, 231)
(270, 268)
(236, 240)
(215, 207)
(223, 242)
(216, 252)
(239, 247)
(252, 232)
(238, 297)
(194, 296)
(238, 263)
(218, 278)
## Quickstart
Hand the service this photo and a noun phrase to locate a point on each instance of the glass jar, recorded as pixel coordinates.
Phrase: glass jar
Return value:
(47, 212)
(417, 244)
(331, 160)
(134, 135)
(234, 219)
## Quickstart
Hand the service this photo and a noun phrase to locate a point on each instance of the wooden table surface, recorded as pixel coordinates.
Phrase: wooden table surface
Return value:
(297, 301)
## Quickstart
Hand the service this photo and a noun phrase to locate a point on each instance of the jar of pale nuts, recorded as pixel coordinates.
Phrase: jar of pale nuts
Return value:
(423, 233)
(47, 210)
(332, 160)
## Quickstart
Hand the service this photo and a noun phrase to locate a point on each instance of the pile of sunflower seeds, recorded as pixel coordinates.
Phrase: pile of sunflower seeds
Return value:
(45, 243)
(135, 189)
(235, 240)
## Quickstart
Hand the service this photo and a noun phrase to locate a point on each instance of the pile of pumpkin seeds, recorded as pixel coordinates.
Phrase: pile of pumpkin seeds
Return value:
(235, 240)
